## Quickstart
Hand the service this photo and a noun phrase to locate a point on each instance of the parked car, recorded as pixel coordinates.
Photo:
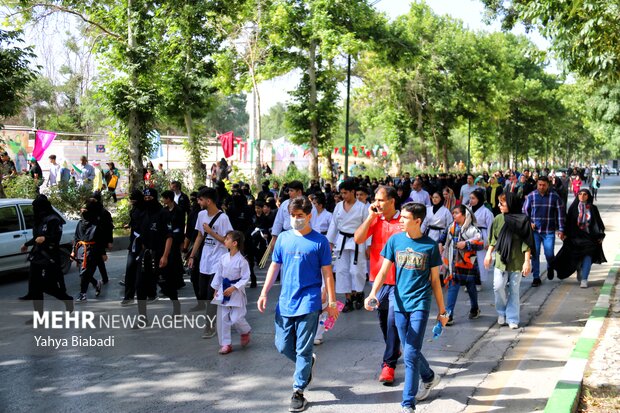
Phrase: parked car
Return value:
(16, 222)
(612, 171)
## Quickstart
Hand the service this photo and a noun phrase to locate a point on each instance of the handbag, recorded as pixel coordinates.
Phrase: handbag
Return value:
(113, 182)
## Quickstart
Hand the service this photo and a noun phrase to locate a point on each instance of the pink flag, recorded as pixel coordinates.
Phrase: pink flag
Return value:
(42, 140)
(228, 144)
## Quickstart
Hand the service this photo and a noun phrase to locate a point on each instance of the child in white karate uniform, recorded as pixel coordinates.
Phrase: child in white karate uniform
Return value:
(231, 277)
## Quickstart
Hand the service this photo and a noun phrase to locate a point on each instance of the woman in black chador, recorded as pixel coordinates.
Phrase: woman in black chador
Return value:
(45, 269)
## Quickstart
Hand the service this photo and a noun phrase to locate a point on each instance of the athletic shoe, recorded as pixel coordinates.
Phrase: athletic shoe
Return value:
(501, 320)
(152, 299)
(387, 375)
(318, 341)
(584, 284)
(245, 339)
(127, 302)
(359, 301)
(311, 369)
(298, 402)
(407, 409)
(450, 321)
(98, 288)
(209, 334)
(425, 388)
(121, 282)
(550, 274)
(81, 298)
(225, 349)
(474, 313)
(536, 282)
(197, 307)
(348, 307)
(513, 326)
(478, 288)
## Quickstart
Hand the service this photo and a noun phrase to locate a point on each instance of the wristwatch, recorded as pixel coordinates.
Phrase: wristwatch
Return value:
(332, 305)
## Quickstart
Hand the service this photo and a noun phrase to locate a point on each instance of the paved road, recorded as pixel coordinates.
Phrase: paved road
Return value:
(483, 367)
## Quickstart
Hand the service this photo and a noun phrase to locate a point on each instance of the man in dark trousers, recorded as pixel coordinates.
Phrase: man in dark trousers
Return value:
(180, 198)
(175, 218)
(153, 259)
(131, 268)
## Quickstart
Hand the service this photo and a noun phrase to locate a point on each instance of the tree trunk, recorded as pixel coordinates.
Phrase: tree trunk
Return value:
(445, 157)
(133, 123)
(258, 171)
(314, 128)
(195, 158)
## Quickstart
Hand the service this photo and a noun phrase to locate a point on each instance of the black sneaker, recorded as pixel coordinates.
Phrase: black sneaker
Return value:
(98, 288)
(348, 307)
(359, 301)
(550, 274)
(474, 313)
(536, 282)
(121, 282)
(298, 402)
(311, 369)
(127, 301)
(450, 321)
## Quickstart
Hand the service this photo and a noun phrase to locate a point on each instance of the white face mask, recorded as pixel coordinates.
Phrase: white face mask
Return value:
(298, 223)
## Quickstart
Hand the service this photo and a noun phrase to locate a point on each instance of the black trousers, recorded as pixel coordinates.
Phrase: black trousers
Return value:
(87, 275)
(148, 275)
(44, 279)
(131, 270)
(103, 271)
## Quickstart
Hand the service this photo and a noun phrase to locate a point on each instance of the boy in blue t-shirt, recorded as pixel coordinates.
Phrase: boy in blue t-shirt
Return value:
(304, 260)
(417, 260)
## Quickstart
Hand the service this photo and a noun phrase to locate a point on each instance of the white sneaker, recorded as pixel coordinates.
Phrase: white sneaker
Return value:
(318, 341)
(513, 326)
(425, 388)
(478, 288)
(584, 284)
(501, 320)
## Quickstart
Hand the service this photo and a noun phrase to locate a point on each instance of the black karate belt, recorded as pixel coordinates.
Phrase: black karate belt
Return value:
(433, 227)
(346, 236)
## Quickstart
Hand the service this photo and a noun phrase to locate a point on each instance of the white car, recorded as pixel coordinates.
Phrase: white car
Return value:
(612, 171)
(16, 222)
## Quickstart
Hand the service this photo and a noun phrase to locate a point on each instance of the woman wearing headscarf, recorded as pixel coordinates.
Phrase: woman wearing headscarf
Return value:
(512, 240)
(585, 232)
(459, 244)
(494, 190)
(45, 268)
(449, 200)
(438, 217)
(484, 220)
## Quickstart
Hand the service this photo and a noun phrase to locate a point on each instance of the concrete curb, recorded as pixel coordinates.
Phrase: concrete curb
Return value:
(565, 396)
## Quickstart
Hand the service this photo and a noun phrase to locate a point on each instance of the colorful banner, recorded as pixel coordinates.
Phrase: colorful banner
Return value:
(42, 140)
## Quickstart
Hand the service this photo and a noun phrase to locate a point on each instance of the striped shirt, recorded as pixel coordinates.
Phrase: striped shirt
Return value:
(546, 212)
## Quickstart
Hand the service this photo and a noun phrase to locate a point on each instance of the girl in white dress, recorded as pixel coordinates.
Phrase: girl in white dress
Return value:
(229, 282)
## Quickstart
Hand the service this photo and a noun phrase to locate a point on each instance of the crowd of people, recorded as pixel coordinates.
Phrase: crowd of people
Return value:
(408, 236)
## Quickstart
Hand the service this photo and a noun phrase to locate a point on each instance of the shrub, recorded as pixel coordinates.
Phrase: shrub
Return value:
(121, 216)
(20, 186)
(69, 197)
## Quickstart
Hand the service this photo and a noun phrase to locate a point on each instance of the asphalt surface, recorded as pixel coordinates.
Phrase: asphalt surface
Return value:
(483, 367)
